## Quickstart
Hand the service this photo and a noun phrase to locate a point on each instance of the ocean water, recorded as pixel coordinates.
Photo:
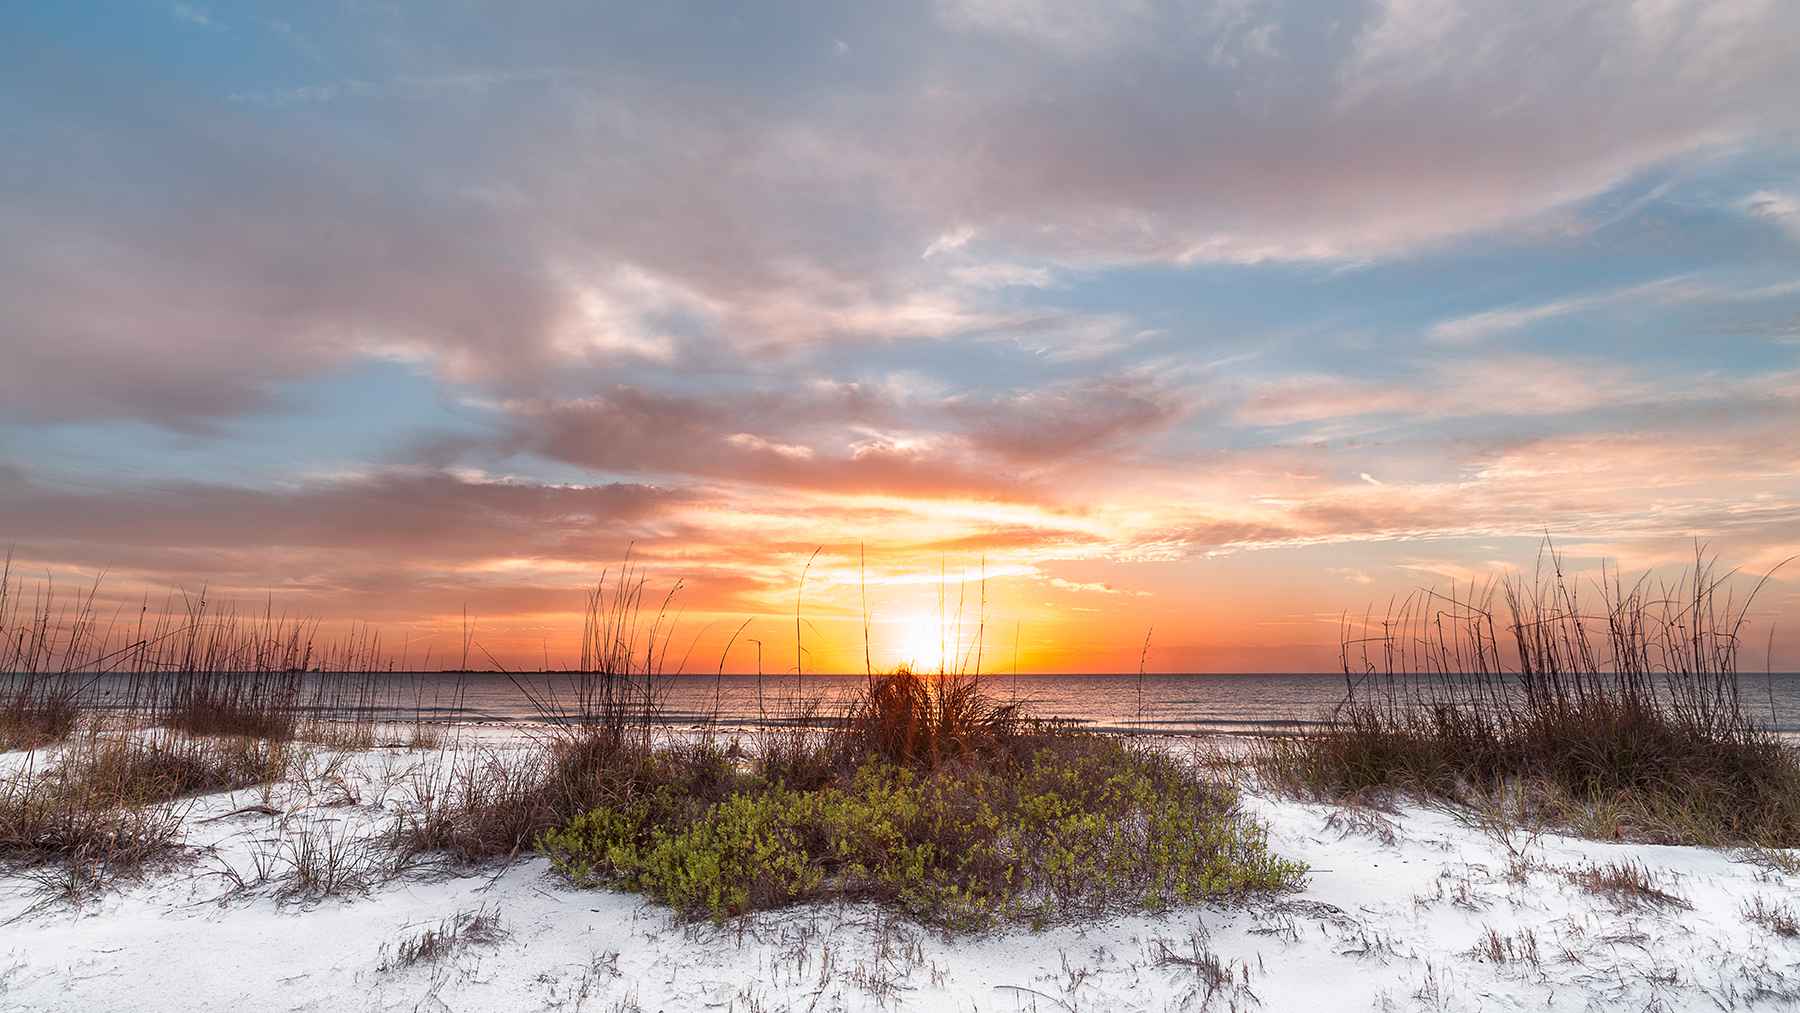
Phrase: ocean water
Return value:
(1170, 704)
(1159, 704)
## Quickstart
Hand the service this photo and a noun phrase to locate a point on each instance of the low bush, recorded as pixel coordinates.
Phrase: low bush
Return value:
(1066, 832)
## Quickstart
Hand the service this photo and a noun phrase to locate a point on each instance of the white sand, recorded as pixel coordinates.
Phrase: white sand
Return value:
(1381, 925)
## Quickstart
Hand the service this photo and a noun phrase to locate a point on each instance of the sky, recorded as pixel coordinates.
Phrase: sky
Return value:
(1077, 324)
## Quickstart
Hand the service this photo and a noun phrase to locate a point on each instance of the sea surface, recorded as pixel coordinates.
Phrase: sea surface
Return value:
(1159, 704)
(1167, 704)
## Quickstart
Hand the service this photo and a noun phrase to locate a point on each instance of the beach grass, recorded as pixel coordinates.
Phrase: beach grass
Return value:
(1612, 710)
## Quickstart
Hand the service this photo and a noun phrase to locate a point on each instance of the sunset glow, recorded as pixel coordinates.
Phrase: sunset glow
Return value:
(919, 644)
(1042, 328)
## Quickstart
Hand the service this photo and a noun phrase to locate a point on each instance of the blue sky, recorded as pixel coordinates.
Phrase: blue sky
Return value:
(1222, 316)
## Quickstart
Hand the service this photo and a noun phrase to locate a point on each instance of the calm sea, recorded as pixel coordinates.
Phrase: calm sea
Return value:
(1164, 704)
(1175, 704)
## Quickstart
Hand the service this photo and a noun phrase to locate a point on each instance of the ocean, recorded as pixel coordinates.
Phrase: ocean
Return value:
(1159, 704)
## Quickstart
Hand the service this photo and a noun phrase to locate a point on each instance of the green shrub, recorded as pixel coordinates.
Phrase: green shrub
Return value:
(746, 852)
(1066, 833)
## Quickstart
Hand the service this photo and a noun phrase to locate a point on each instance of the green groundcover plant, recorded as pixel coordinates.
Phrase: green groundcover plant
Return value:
(1062, 833)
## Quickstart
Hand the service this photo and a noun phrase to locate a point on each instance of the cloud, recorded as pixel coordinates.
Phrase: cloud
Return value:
(955, 239)
(191, 14)
(845, 438)
(759, 445)
(848, 438)
(1723, 474)
(1494, 385)
(1472, 328)
(1093, 587)
(1002, 275)
(1068, 421)
(1065, 27)
(1781, 208)
(1673, 291)
(1363, 133)
(623, 206)
(417, 516)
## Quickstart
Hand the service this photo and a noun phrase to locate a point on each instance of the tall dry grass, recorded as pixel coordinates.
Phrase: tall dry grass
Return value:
(38, 702)
(914, 720)
(188, 664)
(1616, 707)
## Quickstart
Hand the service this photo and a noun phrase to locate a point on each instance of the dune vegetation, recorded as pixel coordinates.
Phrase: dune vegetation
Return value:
(1615, 711)
(1619, 717)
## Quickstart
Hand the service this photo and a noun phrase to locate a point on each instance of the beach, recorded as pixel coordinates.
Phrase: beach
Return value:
(1404, 907)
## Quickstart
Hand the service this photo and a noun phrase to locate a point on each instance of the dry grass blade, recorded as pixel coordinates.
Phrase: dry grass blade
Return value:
(480, 927)
(1776, 916)
(1628, 885)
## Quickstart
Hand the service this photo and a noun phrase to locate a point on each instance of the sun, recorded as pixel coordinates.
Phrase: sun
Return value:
(919, 643)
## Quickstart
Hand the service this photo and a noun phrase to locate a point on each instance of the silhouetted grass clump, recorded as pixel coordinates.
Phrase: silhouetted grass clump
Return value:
(263, 705)
(1618, 714)
(913, 720)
